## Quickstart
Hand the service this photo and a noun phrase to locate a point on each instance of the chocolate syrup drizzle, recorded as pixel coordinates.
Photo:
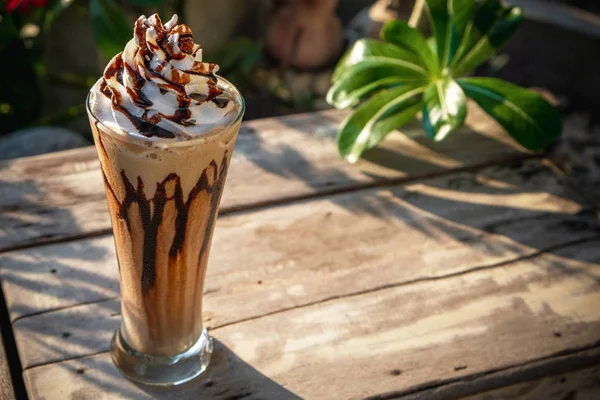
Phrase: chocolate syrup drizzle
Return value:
(151, 221)
(151, 218)
(176, 43)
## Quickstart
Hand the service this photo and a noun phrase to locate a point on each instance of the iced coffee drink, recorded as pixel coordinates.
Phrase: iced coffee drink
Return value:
(165, 126)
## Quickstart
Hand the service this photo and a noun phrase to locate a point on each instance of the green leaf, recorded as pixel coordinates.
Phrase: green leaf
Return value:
(485, 15)
(525, 114)
(111, 29)
(370, 66)
(367, 77)
(491, 27)
(370, 48)
(375, 118)
(344, 94)
(400, 34)
(393, 120)
(432, 44)
(449, 19)
(444, 108)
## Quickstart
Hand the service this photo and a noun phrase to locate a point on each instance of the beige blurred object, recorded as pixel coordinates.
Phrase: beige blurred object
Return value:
(203, 17)
(305, 34)
(385, 10)
(368, 22)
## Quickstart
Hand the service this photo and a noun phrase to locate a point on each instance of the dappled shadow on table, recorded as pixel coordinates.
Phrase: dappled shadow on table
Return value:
(520, 207)
(59, 276)
(37, 194)
(228, 377)
(285, 160)
(21, 216)
(508, 210)
(507, 197)
(53, 277)
(406, 155)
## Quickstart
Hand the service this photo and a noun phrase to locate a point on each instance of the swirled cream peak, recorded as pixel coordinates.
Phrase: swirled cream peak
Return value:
(158, 86)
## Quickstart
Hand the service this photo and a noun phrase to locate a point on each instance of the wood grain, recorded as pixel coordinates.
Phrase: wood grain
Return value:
(279, 258)
(60, 196)
(389, 342)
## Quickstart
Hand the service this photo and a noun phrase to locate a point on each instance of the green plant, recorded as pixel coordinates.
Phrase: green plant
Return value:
(392, 79)
(24, 25)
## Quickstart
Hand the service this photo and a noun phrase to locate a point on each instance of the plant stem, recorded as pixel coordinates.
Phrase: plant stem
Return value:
(417, 14)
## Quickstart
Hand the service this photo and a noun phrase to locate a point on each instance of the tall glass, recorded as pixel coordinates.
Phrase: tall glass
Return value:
(163, 197)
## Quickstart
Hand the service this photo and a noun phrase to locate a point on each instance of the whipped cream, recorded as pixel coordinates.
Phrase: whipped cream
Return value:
(159, 88)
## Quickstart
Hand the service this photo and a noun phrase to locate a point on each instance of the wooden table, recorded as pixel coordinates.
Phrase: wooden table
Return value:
(430, 271)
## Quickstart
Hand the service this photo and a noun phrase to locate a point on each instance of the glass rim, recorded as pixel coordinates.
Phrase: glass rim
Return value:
(169, 142)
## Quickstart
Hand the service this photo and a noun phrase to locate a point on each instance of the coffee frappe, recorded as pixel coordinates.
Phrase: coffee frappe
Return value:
(165, 127)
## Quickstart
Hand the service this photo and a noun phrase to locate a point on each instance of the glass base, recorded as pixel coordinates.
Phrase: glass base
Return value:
(161, 371)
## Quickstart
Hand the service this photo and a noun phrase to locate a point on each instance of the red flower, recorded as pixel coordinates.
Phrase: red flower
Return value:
(24, 5)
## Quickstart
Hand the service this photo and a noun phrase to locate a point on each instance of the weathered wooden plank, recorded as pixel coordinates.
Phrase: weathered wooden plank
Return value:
(571, 376)
(57, 196)
(388, 341)
(288, 256)
(6, 387)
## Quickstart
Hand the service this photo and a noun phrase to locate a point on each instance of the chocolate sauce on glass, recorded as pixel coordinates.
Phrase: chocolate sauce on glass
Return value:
(151, 220)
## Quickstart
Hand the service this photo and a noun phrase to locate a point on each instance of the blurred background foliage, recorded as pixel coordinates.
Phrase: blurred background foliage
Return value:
(280, 53)
(26, 27)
